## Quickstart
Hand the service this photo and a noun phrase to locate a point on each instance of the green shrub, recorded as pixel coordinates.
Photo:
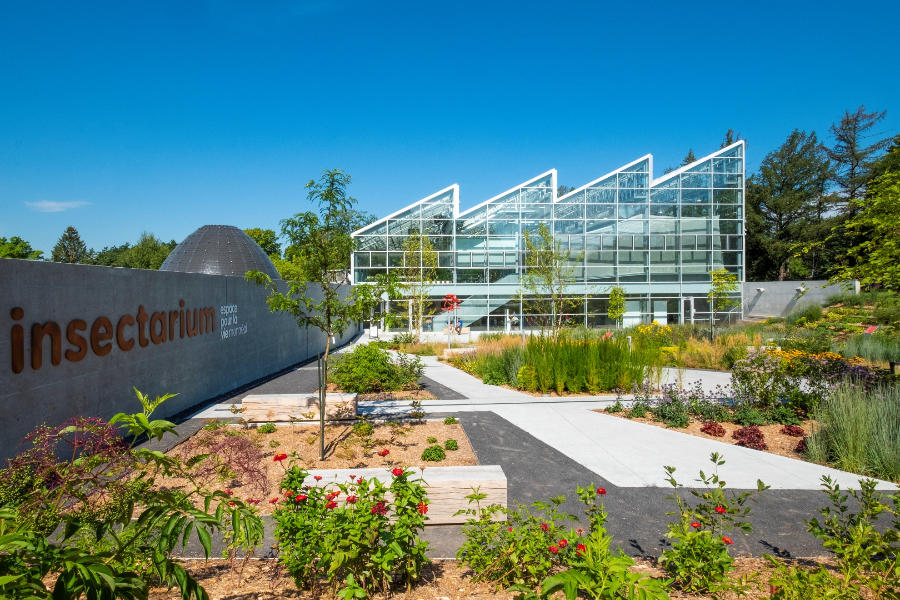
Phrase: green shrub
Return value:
(267, 428)
(782, 415)
(708, 409)
(369, 369)
(274, 443)
(874, 348)
(431, 440)
(433, 454)
(810, 312)
(341, 533)
(405, 338)
(363, 429)
(451, 445)
(639, 409)
(746, 415)
(451, 421)
(673, 412)
(615, 408)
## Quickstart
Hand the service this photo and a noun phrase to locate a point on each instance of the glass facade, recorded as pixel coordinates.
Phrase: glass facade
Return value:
(656, 238)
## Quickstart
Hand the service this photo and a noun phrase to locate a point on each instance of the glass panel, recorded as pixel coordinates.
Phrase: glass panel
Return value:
(732, 258)
(542, 182)
(379, 259)
(395, 259)
(609, 242)
(437, 227)
(728, 196)
(704, 167)
(445, 259)
(632, 211)
(664, 226)
(736, 151)
(371, 243)
(536, 211)
(695, 180)
(463, 259)
(626, 242)
(601, 211)
(471, 227)
(688, 242)
(404, 227)
(576, 198)
(537, 195)
(694, 226)
(503, 211)
(470, 276)
(672, 242)
(664, 210)
(704, 242)
(503, 227)
(471, 243)
(695, 258)
(609, 182)
(735, 242)
(361, 259)
(728, 165)
(639, 167)
(395, 242)
(633, 180)
(592, 242)
(437, 211)
(601, 196)
(533, 226)
(568, 211)
(695, 211)
(695, 196)
(663, 258)
(375, 229)
(633, 226)
(478, 259)
(641, 242)
(664, 196)
(503, 276)
(632, 274)
(495, 259)
(600, 273)
(729, 211)
(512, 259)
(507, 243)
(657, 242)
(732, 227)
(441, 242)
(600, 226)
(728, 181)
(632, 196)
(569, 227)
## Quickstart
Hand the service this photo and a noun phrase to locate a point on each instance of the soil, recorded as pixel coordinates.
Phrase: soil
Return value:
(345, 450)
(777, 442)
(441, 580)
(418, 394)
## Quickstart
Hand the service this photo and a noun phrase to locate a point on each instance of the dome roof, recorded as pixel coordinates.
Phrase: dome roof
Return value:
(219, 250)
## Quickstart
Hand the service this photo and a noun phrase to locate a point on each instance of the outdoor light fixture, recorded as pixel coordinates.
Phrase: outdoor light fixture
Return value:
(760, 290)
(799, 289)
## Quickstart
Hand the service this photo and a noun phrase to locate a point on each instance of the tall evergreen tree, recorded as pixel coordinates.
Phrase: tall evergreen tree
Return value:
(730, 138)
(689, 158)
(71, 249)
(785, 206)
(852, 159)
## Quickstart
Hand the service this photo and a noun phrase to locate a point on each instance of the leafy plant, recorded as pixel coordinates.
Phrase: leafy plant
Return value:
(617, 407)
(713, 428)
(750, 437)
(369, 369)
(782, 415)
(450, 421)
(363, 429)
(748, 416)
(451, 445)
(793, 430)
(671, 411)
(350, 533)
(267, 428)
(102, 551)
(431, 440)
(274, 443)
(433, 454)
(699, 560)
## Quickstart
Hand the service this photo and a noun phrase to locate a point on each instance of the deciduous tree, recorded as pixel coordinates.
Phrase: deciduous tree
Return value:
(550, 271)
(16, 247)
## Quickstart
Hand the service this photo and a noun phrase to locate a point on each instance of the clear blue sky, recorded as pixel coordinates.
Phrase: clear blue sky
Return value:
(164, 116)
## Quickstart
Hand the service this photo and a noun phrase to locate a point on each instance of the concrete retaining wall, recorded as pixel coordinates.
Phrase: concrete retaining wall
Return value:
(779, 298)
(236, 341)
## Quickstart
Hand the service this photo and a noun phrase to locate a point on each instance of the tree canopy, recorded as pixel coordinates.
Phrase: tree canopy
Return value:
(16, 247)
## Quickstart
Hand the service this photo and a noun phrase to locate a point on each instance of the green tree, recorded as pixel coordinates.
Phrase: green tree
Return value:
(267, 240)
(420, 264)
(721, 293)
(730, 138)
(853, 161)
(16, 247)
(877, 223)
(616, 310)
(550, 271)
(149, 252)
(562, 190)
(71, 249)
(787, 204)
(113, 256)
(690, 158)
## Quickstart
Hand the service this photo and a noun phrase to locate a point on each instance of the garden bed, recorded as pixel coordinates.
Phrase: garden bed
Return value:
(777, 442)
(441, 580)
(343, 450)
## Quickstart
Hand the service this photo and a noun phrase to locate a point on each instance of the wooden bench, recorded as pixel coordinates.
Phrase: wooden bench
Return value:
(447, 487)
(262, 408)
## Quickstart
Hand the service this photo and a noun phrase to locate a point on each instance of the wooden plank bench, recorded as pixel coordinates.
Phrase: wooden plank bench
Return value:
(262, 408)
(447, 487)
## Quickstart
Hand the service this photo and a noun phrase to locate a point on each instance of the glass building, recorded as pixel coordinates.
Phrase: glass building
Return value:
(658, 239)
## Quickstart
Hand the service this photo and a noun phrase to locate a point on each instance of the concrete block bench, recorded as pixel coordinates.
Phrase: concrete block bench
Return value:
(262, 408)
(447, 487)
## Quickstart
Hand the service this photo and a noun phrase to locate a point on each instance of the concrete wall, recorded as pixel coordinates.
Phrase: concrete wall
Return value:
(254, 344)
(779, 298)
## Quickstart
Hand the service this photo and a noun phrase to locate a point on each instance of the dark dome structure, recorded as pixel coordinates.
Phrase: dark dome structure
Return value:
(219, 250)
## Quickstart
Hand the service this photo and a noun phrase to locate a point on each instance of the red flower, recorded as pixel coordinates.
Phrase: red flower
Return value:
(563, 543)
(695, 524)
(384, 452)
(728, 541)
(422, 508)
(509, 528)
(273, 500)
(228, 492)
(580, 548)
(231, 504)
(288, 494)
(545, 527)
(397, 472)
(352, 499)
(331, 505)
(720, 510)
(279, 457)
(352, 477)
(601, 491)
(579, 531)
(379, 509)
(361, 481)
(300, 498)
(317, 477)
(554, 549)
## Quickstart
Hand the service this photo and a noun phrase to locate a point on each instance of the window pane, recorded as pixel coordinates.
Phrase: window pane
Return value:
(703, 167)
(471, 227)
(728, 165)
(536, 195)
(695, 211)
(471, 243)
(395, 259)
(479, 259)
(601, 226)
(600, 273)
(695, 180)
(639, 167)
(563, 227)
(633, 180)
(437, 211)
(536, 211)
(502, 243)
(633, 226)
(664, 196)
(361, 259)
(379, 259)
(404, 227)
(463, 259)
(601, 211)
(728, 196)
(503, 227)
(576, 198)
(694, 226)
(379, 229)
(664, 210)
(632, 211)
(695, 196)
(568, 211)
(445, 259)
(732, 227)
(736, 151)
(728, 181)
(470, 276)
(601, 196)
(371, 242)
(437, 227)
(729, 211)
(632, 196)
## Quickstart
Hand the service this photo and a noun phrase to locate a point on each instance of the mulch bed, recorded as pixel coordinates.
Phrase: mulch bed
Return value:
(777, 442)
